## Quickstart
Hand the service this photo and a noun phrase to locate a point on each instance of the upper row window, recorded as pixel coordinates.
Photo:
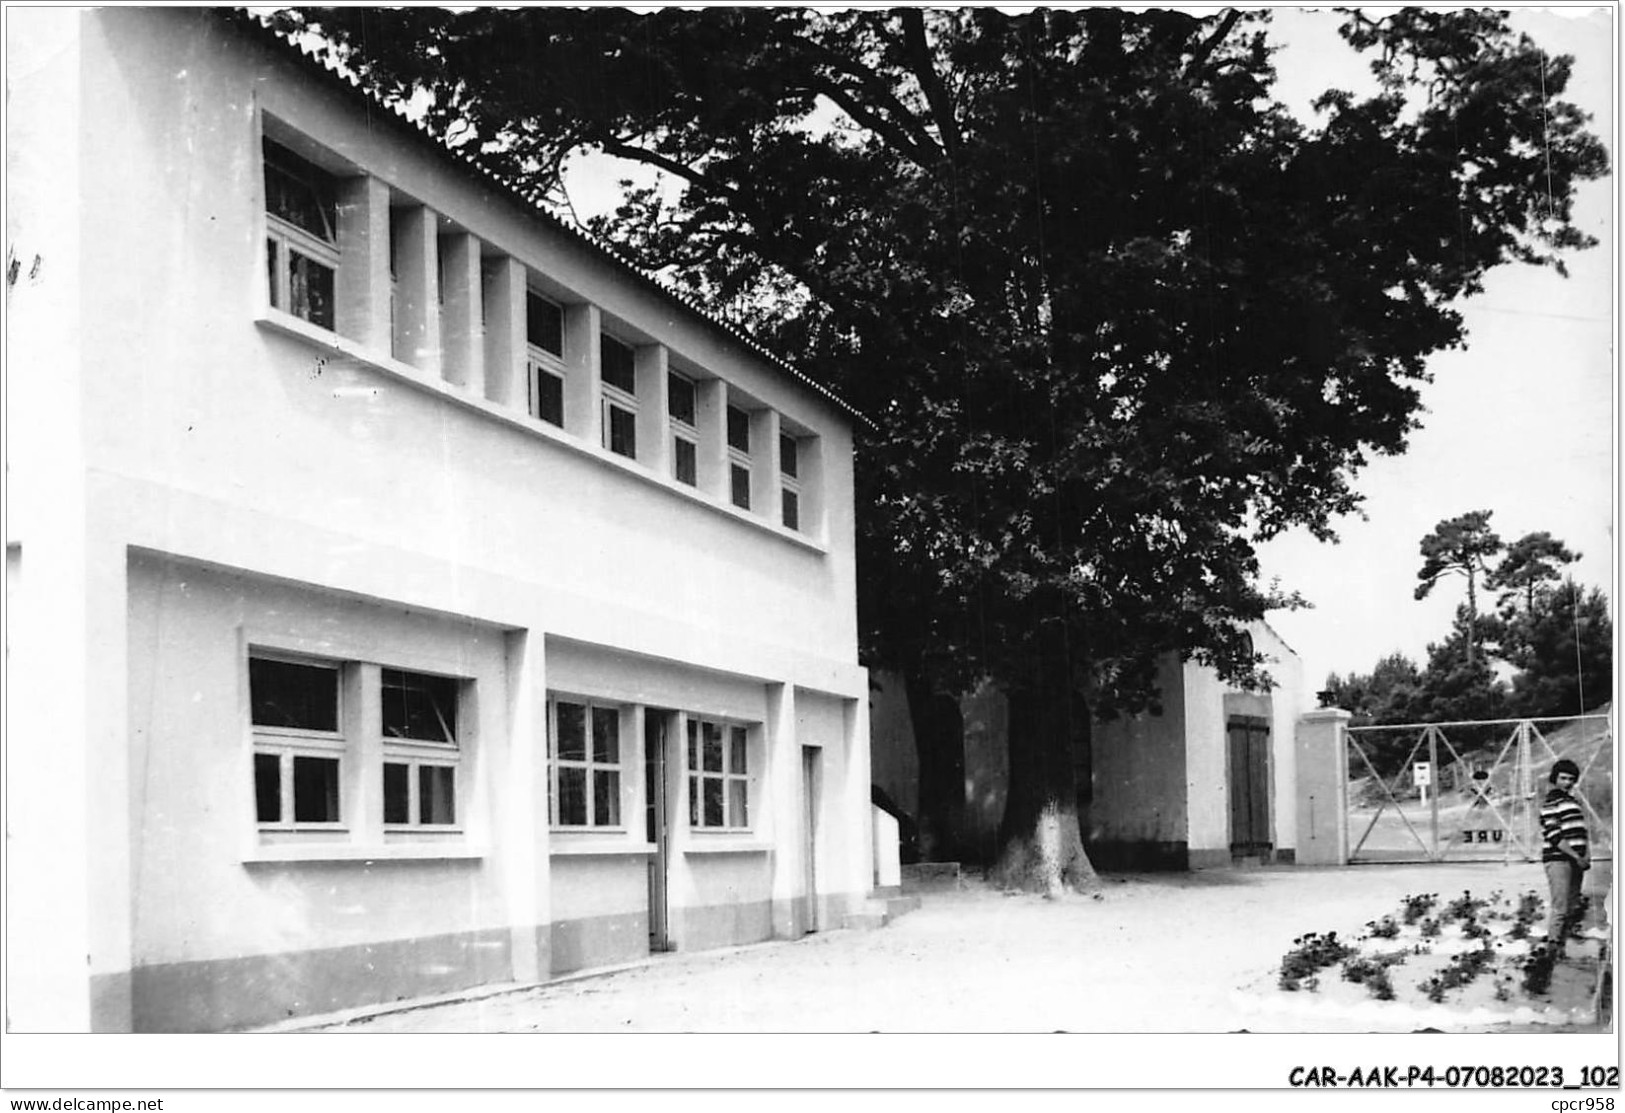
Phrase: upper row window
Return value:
(301, 203)
(302, 256)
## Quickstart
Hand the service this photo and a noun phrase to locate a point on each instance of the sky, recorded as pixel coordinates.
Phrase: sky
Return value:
(1520, 423)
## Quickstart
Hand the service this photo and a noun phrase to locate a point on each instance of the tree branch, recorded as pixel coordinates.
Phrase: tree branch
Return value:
(696, 178)
(1211, 43)
(923, 149)
(899, 137)
(920, 61)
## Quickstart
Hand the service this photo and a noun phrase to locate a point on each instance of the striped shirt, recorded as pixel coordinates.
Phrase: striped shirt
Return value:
(1561, 820)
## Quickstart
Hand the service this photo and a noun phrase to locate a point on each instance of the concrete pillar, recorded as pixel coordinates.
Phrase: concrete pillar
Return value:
(461, 326)
(856, 793)
(654, 437)
(711, 428)
(764, 465)
(583, 383)
(1323, 783)
(362, 701)
(516, 789)
(363, 278)
(505, 343)
(781, 811)
(417, 298)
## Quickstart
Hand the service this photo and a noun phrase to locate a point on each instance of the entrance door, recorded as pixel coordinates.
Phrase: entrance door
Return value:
(656, 728)
(1249, 785)
(809, 826)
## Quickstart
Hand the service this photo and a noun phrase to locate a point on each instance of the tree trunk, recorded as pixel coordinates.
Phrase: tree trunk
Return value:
(939, 742)
(1041, 841)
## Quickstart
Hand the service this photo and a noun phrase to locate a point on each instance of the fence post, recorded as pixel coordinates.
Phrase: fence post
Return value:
(1323, 788)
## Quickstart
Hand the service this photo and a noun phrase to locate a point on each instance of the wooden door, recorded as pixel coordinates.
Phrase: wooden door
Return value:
(1249, 762)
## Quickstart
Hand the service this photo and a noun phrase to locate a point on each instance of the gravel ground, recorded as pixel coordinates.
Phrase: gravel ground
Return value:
(1151, 953)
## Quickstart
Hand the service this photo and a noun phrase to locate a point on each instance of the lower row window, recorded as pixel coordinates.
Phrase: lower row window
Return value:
(303, 744)
(586, 766)
(718, 775)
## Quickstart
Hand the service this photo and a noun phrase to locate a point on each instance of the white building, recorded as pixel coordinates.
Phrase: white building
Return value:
(403, 593)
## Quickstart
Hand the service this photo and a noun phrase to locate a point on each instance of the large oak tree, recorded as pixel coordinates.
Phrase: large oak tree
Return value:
(1116, 314)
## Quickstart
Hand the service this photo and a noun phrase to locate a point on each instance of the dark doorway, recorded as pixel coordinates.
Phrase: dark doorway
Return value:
(658, 727)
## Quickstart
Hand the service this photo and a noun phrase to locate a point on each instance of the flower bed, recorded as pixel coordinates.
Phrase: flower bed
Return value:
(1471, 962)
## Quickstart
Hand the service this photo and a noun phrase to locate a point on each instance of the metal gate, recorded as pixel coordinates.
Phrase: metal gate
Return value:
(1471, 791)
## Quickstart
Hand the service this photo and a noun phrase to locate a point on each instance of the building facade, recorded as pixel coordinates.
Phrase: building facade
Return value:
(403, 594)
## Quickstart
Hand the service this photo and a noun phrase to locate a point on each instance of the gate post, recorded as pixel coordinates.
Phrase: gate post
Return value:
(1323, 787)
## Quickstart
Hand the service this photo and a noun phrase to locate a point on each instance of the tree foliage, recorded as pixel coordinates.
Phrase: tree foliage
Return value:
(1532, 562)
(1460, 546)
(1116, 314)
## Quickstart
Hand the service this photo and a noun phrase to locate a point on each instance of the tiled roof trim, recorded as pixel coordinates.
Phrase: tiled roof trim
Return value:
(330, 71)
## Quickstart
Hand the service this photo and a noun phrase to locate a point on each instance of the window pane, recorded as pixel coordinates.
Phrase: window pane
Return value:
(572, 741)
(606, 799)
(792, 510)
(300, 192)
(572, 797)
(738, 429)
(419, 706)
(787, 455)
(397, 807)
(736, 750)
(544, 324)
(606, 735)
(693, 744)
(623, 432)
(680, 398)
(437, 794)
(268, 788)
(741, 486)
(549, 401)
(713, 748)
(683, 465)
(299, 697)
(315, 789)
(736, 804)
(310, 290)
(615, 363)
(713, 802)
(693, 801)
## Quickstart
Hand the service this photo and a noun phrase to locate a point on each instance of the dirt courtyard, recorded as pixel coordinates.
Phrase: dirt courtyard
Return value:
(1152, 953)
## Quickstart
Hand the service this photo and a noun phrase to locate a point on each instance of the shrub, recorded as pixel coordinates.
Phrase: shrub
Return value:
(1415, 907)
(1536, 967)
(1464, 907)
(1431, 928)
(1372, 972)
(1310, 954)
(1385, 928)
(1462, 969)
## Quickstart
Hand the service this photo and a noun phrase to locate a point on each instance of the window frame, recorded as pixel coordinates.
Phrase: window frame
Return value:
(284, 238)
(728, 776)
(683, 431)
(540, 360)
(422, 753)
(588, 763)
(614, 397)
(739, 459)
(288, 743)
(790, 482)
